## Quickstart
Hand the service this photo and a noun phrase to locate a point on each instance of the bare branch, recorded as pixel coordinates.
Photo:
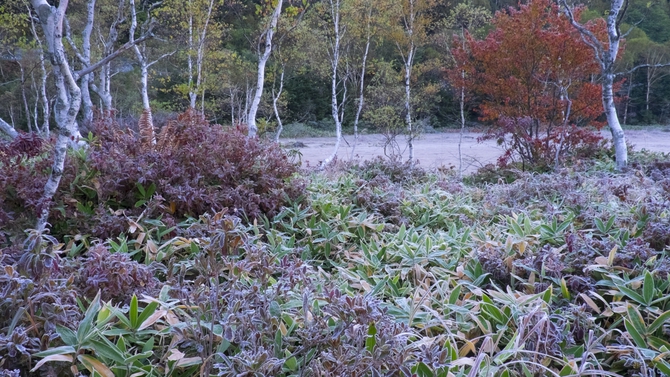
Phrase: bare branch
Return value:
(587, 36)
(642, 66)
(74, 47)
(113, 55)
(161, 57)
(624, 35)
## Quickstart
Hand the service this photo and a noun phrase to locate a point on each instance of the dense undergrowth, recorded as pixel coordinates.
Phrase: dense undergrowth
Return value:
(378, 269)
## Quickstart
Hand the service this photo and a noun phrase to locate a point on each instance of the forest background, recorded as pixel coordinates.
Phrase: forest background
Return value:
(205, 54)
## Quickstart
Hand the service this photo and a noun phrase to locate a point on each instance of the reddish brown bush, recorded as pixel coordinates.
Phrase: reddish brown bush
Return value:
(24, 165)
(194, 168)
(115, 275)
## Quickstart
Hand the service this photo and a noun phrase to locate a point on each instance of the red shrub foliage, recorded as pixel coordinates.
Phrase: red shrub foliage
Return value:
(24, 165)
(533, 76)
(194, 168)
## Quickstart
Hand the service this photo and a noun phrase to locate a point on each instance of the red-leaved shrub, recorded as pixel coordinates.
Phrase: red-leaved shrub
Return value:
(24, 166)
(194, 168)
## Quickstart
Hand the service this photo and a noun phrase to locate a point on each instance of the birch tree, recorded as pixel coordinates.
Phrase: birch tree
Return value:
(68, 96)
(654, 57)
(193, 25)
(197, 35)
(21, 46)
(146, 124)
(413, 20)
(338, 81)
(266, 40)
(275, 99)
(464, 17)
(43, 97)
(364, 14)
(606, 55)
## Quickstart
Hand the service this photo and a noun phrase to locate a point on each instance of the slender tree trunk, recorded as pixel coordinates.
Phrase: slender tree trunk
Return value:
(69, 97)
(232, 106)
(146, 123)
(628, 91)
(275, 98)
(144, 87)
(361, 91)
(262, 60)
(361, 94)
(335, 62)
(460, 135)
(192, 92)
(46, 107)
(103, 89)
(200, 54)
(648, 91)
(25, 99)
(408, 60)
(87, 103)
(566, 118)
(408, 101)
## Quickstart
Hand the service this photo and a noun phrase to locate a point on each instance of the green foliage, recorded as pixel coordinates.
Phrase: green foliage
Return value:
(377, 268)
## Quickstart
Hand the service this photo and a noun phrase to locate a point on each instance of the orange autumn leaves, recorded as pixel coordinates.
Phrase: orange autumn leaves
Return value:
(534, 79)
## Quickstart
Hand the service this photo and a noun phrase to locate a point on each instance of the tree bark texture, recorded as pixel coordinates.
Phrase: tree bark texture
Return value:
(67, 103)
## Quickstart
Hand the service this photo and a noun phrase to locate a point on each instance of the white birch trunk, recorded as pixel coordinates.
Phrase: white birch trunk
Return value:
(87, 104)
(146, 124)
(103, 88)
(69, 97)
(335, 61)
(361, 89)
(262, 60)
(462, 109)
(408, 60)
(192, 94)
(408, 101)
(618, 136)
(275, 98)
(199, 54)
(460, 135)
(606, 56)
(25, 99)
(46, 107)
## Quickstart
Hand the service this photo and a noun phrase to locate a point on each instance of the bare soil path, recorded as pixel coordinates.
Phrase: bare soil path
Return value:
(441, 149)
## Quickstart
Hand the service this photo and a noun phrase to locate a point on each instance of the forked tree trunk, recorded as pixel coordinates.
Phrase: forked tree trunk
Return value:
(606, 55)
(262, 61)
(199, 53)
(408, 61)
